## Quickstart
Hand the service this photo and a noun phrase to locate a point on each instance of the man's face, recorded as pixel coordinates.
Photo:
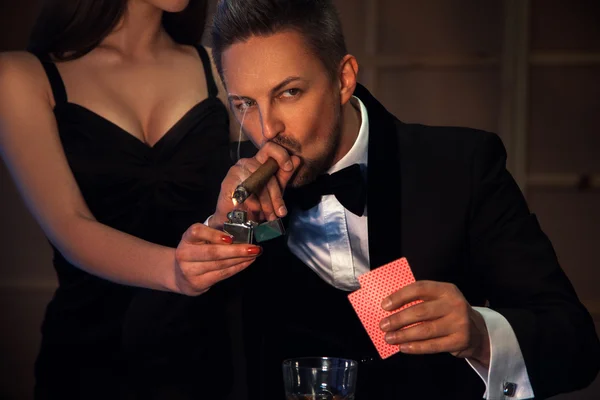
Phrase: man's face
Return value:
(280, 92)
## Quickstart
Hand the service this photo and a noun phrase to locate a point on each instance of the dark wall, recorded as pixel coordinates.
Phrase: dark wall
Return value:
(432, 61)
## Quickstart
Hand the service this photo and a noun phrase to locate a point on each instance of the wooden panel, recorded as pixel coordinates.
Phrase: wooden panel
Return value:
(25, 253)
(463, 97)
(565, 25)
(572, 221)
(440, 26)
(206, 37)
(352, 15)
(565, 128)
(16, 20)
(21, 315)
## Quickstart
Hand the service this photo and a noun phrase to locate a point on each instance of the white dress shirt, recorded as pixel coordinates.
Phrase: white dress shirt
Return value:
(333, 242)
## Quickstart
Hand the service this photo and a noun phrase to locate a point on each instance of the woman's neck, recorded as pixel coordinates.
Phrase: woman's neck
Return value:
(140, 33)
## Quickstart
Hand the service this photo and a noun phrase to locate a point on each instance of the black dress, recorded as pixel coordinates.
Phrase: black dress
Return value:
(105, 340)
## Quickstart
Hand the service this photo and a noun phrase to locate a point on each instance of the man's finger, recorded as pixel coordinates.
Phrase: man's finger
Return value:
(446, 344)
(420, 290)
(277, 152)
(276, 198)
(266, 204)
(425, 311)
(283, 177)
(247, 166)
(419, 332)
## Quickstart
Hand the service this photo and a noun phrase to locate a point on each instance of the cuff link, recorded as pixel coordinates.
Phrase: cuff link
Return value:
(509, 389)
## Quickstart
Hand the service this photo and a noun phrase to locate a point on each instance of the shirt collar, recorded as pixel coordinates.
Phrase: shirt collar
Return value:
(358, 154)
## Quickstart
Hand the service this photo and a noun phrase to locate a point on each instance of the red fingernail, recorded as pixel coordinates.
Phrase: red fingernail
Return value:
(227, 239)
(254, 250)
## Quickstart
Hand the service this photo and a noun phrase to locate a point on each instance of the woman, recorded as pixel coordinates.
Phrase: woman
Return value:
(115, 136)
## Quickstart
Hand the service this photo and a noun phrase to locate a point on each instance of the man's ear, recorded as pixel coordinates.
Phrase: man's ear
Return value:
(348, 72)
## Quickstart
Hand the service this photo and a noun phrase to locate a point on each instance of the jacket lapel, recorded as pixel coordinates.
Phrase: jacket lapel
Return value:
(384, 194)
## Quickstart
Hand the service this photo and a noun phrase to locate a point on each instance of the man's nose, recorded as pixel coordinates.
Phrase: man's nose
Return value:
(271, 123)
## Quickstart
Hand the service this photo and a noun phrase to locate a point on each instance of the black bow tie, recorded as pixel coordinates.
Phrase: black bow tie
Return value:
(348, 186)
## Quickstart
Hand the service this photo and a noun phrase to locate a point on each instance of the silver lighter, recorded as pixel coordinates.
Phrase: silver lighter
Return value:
(245, 231)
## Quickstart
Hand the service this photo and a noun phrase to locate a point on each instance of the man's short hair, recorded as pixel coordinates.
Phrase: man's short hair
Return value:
(316, 20)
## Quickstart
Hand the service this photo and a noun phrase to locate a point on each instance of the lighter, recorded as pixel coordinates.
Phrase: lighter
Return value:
(245, 231)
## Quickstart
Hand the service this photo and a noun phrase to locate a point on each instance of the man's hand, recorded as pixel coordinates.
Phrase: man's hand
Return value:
(206, 256)
(266, 205)
(447, 323)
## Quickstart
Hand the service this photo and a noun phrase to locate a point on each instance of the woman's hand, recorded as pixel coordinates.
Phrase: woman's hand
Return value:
(206, 256)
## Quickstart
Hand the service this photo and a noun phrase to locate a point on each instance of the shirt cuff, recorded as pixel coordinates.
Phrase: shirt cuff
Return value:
(507, 366)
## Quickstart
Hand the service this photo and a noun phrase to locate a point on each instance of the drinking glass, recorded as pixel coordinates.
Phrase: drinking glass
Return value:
(319, 378)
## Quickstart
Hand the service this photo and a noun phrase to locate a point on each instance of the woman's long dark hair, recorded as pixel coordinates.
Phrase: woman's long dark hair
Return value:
(69, 29)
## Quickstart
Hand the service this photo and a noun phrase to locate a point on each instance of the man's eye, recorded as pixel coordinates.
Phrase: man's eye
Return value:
(291, 92)
(244, 106)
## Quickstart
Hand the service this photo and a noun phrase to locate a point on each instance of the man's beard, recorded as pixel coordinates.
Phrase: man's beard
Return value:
(311, 168)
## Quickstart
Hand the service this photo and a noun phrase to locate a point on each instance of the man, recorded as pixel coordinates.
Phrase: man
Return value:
(498, 319)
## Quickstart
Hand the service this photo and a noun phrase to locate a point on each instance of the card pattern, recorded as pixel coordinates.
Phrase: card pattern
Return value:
(374, 287)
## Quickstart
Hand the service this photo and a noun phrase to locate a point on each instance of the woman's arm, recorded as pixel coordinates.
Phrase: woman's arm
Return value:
(31, 149)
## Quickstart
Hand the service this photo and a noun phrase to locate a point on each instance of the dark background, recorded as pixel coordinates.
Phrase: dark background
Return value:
(526, 69)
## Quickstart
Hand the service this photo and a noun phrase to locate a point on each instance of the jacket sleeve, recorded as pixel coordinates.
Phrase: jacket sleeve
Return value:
(524, 282)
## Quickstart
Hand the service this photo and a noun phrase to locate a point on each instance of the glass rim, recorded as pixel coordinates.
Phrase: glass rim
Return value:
(349, 363)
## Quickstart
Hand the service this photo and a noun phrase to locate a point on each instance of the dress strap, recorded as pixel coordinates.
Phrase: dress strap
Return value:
(56, 83)
(213, 90)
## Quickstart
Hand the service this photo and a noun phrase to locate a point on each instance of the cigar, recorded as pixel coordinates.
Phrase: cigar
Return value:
(255, 182)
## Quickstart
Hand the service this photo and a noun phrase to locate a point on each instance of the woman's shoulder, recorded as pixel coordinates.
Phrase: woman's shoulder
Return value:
(21, 73)
(19, 64)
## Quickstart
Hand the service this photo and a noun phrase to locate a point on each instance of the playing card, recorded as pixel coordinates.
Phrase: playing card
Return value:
(374, 287)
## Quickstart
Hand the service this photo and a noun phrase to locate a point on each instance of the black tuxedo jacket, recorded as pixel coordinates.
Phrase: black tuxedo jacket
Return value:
(442, 198)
